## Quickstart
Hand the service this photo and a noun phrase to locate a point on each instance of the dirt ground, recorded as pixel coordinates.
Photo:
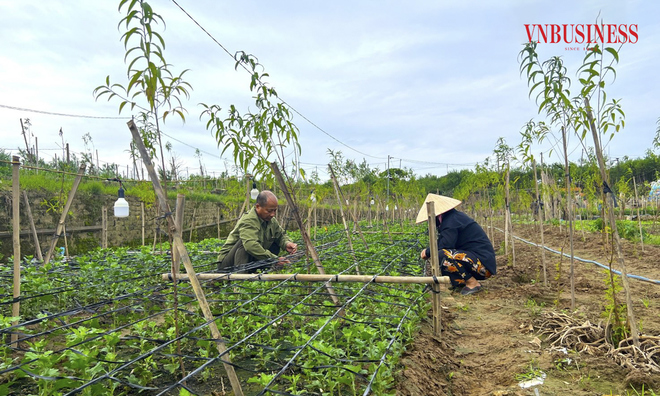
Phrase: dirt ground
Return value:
(491, 341)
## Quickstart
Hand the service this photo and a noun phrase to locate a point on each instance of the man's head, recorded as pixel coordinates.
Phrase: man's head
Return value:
(266, 206)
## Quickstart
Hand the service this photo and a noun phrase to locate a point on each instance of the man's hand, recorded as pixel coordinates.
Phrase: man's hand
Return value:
(281, 262)
(291, 247)
(423, 255)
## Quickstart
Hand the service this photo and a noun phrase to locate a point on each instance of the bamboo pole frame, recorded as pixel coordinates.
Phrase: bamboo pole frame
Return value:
(179, 245)
(16, 237)
(436, 280)
(67, 206)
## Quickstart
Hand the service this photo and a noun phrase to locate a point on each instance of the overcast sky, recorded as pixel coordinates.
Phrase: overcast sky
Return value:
(432, 84)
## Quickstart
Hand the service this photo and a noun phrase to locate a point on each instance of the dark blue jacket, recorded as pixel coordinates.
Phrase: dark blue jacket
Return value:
(459, 231)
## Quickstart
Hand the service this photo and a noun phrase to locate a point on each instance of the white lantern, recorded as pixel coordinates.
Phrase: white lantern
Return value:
(254, 192)
(372, 201)
(312, 197)
(121, 206)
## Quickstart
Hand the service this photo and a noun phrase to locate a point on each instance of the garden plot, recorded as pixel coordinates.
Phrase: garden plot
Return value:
(108, 324)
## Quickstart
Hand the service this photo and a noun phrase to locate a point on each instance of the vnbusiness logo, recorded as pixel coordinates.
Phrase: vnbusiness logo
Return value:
(582, 34)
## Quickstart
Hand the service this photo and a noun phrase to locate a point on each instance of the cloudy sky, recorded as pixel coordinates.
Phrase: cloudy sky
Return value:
(432, 84)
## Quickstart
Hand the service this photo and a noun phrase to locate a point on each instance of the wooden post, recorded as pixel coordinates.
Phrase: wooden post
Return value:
(37, 246)
(356, 221)
(315, 220)
(343, 218)
(178, 220)
(67, 153)
(192, 224)
(67, 206)
(309, 219)
(104, 227)
(435, 269)
(153, 248)
(308, 242)
(639, 218)
(387, 228)
(610, 202)
(16, 237)
(218, 219)
(247, 196)
(66, 242)
(142, 217)
(181, 248)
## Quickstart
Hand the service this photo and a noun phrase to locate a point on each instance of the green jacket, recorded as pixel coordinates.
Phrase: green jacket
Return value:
(257, 236)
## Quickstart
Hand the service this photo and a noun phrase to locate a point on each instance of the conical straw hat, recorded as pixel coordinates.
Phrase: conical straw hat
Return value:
(441, 204)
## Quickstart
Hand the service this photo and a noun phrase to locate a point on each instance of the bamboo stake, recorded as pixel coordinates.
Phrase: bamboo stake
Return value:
(435, 269)
(67, 206)
(315, 225)
(218, 219)
(316, 278)
(178, 220)
(639, 219)
(308, 242)
(309, 219)
(247, 196)
(37, 246)
(142, 217)
(610, 202)
(153, 248)
(192, 225)
(357, 225)
(66, 242)
(179, 245)
(104, 227)
(16, 237)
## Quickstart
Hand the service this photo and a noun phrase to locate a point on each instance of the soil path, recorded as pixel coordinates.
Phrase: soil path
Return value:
(490, 344)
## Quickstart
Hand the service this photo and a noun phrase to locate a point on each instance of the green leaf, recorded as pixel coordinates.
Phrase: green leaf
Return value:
(613, 52)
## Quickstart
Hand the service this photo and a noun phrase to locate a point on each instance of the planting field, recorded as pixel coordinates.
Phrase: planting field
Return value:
(107, 324)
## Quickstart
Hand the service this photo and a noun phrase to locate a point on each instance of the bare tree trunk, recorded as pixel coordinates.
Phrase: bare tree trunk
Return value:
(569, 214)
(539, 211)
(610, 202)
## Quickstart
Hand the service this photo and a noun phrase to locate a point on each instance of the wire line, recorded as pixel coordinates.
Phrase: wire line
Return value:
(63, 114)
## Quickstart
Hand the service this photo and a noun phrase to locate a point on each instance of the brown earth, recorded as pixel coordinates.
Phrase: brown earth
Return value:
(492, 339)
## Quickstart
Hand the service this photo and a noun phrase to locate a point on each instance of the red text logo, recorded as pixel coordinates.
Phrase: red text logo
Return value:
(582, 34)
